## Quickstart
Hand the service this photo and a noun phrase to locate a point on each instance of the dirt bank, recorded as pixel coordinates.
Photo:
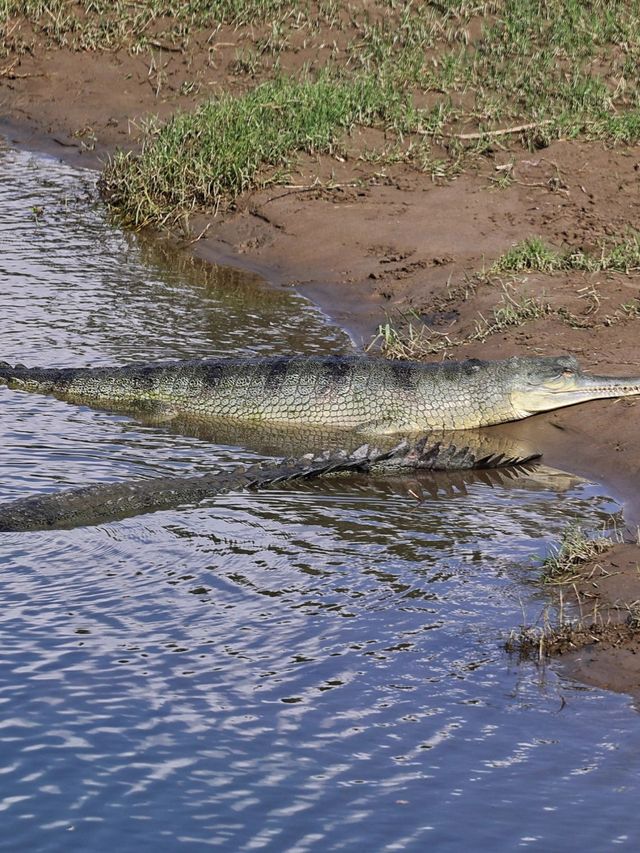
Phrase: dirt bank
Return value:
(369, 240)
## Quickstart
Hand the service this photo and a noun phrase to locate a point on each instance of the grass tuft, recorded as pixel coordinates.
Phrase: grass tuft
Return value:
(580, 618)
(573, 551)
(533, 255)
(530, 254)
(202, 158)
(513, 310)
(410, 341)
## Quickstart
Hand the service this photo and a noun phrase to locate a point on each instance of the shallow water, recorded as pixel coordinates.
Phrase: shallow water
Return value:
(314, 668)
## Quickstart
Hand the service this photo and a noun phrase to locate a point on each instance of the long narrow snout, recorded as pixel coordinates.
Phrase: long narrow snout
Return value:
(586, 387)
(568, 387)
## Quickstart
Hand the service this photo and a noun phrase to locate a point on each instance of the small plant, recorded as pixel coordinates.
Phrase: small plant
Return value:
(574, 550)
(536, 642)
(533, 254)
(189, 87)
(513, 311)
(530, 254)
(624, 256)
(632, 308)
(248, 62)
(413, 342)
(633, 615)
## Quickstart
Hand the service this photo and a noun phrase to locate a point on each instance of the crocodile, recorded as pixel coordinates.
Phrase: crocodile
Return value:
(373, 396)
(110, 501)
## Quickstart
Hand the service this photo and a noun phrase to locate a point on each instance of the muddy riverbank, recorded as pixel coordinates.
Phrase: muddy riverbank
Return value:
(371, 241)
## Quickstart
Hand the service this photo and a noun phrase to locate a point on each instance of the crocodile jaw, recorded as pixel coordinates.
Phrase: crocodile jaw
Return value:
(569, 390)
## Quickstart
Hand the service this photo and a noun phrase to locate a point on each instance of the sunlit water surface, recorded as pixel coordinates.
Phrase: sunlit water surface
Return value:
(319, 667)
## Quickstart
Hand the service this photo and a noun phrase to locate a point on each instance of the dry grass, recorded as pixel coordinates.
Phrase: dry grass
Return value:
(578, 618)
(576, 549)
(413, 340)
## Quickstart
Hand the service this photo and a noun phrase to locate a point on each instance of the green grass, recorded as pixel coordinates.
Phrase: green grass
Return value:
(564, 68)
(569, 66)
(530, 254)
(534, 255)
(108, 24)
(201, 158)
(574, 550)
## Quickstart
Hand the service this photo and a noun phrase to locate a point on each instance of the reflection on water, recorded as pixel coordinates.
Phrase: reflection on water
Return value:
(314, 668)
(278, 439)
(84, 293)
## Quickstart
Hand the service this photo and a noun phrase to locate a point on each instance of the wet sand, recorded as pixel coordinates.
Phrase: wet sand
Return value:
(392, 241)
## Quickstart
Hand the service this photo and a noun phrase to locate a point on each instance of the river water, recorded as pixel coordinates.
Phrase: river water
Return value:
(319, 667)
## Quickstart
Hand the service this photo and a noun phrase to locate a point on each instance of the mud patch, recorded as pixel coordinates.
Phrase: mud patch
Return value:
(596, 633)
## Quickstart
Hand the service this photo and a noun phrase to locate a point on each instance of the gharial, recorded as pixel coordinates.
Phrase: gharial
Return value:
(373, 396)
(361, 395)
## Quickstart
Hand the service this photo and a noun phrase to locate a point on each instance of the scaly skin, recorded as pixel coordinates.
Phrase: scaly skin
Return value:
(110, 501)
(375, 396)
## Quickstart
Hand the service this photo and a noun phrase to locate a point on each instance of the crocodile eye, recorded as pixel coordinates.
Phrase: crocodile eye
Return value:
(568, 372)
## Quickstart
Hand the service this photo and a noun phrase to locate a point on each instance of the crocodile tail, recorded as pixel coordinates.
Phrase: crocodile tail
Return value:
(110, 501)
(7, 372)
(453, 458)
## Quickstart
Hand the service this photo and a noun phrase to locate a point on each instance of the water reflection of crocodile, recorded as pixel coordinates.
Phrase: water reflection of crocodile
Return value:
(374, 396)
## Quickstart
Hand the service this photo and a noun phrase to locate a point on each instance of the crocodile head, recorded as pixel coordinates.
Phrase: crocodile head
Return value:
(542, 384)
